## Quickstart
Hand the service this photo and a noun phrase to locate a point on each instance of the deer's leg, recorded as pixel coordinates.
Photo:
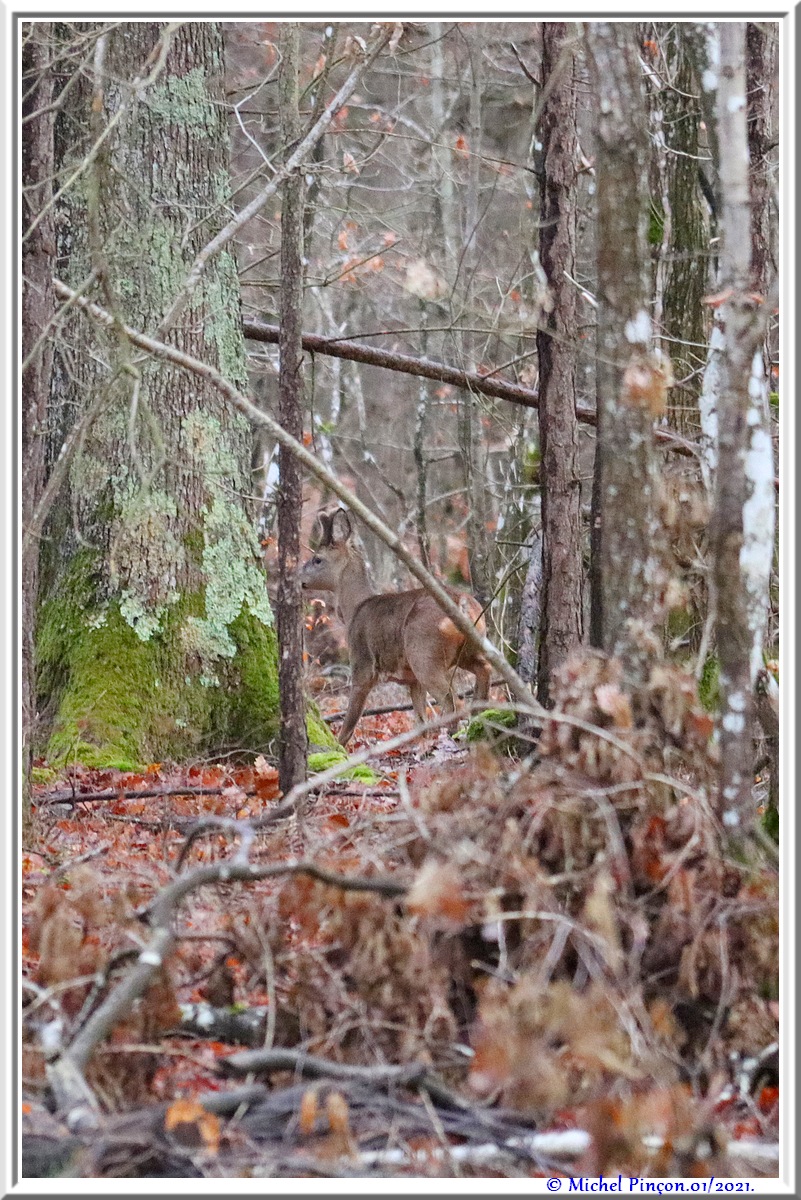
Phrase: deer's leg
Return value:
(439, 683)
(428, 660)
(418, 694)
(483, 674)
(360, 688)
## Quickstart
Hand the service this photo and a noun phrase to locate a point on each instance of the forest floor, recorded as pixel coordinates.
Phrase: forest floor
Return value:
(519, 961)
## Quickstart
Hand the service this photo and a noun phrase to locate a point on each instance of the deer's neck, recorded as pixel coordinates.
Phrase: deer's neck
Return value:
(354, 586)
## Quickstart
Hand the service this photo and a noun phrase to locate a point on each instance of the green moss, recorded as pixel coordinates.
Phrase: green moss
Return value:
(42, 775)
(122, 701)
(680, 622)
(193, 546)
(323, 762)
(317, 732)
(112, 691)
(249, 708)
(492, 726)
(709, 684)
(530, 463)
(656, 224)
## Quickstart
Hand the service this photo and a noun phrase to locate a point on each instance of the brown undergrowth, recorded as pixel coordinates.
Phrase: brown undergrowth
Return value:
(575, 931)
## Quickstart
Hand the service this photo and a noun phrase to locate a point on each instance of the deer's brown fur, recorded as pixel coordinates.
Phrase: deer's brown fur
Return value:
(402, 636)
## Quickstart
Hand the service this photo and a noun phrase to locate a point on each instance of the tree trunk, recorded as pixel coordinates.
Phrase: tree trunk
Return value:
(761, 51)
(479, 546)
(630, 383)
(561, 516)
(156, 636)
(38, 257)
(292, 761)
(743, 450)
(761, 48)
(684, 269)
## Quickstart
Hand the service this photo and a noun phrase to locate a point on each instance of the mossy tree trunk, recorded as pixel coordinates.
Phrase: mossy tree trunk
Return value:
(680, 235)
(155, 638)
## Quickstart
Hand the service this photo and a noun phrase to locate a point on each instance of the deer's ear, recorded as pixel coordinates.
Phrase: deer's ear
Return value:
(321, 534)
(341, 528)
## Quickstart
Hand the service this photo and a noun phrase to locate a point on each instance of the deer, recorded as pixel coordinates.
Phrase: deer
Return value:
(400, 636)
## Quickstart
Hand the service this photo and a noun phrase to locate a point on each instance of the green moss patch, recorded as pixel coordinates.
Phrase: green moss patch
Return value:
(709, 684)
(122, 702)
(492, 726)
(326, 760)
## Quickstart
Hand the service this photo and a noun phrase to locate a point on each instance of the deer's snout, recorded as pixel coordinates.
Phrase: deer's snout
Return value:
(311, 571)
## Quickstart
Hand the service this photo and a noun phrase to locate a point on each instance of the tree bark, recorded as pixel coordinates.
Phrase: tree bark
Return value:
(761, 52)
(292, 759)
(156, 638)
(742, 441)
(38, 257)
(629, 383)
(479, 545)
(561, 617)
(685, 229)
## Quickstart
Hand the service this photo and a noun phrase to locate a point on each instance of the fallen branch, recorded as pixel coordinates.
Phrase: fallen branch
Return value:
(407, 364)
(416, 1076)
(66, 796)
(425, 368)
(565, 1145)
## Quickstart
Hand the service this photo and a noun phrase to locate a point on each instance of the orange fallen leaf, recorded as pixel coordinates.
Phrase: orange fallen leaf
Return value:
(189, 1123)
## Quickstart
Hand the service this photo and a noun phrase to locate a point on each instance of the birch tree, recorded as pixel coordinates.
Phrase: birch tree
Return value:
(742, 459)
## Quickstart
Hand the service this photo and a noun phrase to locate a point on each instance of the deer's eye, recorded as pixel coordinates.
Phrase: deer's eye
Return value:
(316, 561)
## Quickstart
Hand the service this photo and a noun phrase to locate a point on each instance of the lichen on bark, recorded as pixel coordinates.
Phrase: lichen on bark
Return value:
(156, 638)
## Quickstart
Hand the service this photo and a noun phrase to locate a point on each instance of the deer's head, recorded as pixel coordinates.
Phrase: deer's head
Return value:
(323, 571)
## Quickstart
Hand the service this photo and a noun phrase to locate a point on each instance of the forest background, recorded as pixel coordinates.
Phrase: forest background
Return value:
(451, 213)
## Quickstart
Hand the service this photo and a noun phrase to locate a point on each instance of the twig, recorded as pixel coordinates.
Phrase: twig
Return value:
(87, 856)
